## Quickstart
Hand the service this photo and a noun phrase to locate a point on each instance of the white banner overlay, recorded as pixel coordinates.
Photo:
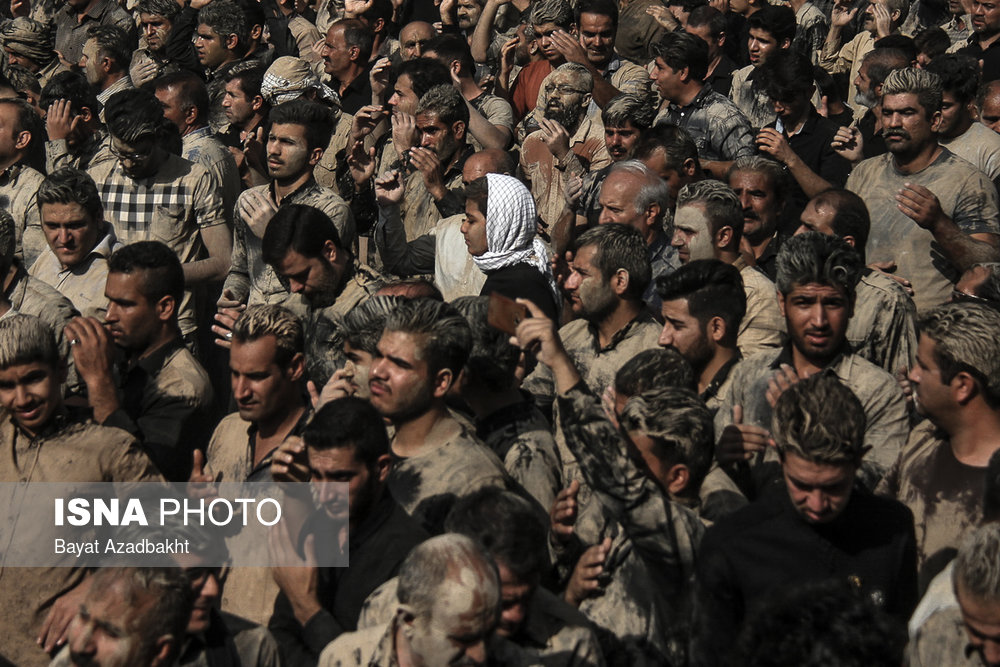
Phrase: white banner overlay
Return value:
(256, 524)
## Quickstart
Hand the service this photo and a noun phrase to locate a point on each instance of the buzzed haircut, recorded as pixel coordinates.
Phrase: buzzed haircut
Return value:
(965, 337)
(851, 217)
(777, 21)
(653, 369)
(161, 269)
(226, 18)
(444, 334)
(25, 339)
(675, 142)
(679, 50)
(712, 289)
(301, 228)
(348, 422)
(190, 89)
(262, 319)
(356, 33)
(820, 420)
(449, 48)
(680, 426)
(424, 73)
(619, 247)
(817, 258)
(704, 15)
(314, 117)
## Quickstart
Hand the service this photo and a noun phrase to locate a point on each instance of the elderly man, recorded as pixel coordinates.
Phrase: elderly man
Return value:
(449, 608)
(413, 38)
(935, 214)
(634, 195)
(80, 240)
(568, 141)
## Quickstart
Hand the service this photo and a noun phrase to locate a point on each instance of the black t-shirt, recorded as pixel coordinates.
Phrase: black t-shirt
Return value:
(522, 281)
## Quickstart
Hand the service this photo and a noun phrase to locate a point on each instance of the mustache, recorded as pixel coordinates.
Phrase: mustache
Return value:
(897, 133)
(750, 214)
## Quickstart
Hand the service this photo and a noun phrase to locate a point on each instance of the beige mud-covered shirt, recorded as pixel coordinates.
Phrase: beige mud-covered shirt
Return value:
(455, 272)
(979, 145)
(83, 284)
(494, 109)
(546, 176)
(325, 170)
(763, 326)
(18, 187)
(887, 424)
(252, 280)
(95, 149)
(553, 631)
(172, 206)
(967, 196)
(944, 494)
(637, 30)
(202, 147)
(66, 452)
(883, 328)
(453, 464)
(942, 641)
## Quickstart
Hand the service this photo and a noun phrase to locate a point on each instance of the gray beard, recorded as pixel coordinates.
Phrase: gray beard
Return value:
(866, 100)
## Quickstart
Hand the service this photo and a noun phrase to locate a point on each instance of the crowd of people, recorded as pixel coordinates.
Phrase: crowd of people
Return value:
(639, 333)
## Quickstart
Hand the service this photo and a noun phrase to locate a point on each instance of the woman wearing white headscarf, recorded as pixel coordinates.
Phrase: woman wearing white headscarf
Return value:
(499, 231)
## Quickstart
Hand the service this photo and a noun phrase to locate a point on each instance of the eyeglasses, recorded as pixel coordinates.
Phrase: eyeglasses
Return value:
(564, 89)
(198, 576)
(132, 157)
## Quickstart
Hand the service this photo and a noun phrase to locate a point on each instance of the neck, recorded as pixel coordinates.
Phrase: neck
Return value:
(411, 435)
(191, 128)
(10, 161)
(712, 64)
(167, 334)
(961, 127)
(616, 321)
(912, 164)
(251, 123)
(470, 89)
(286, 187)
(806, 366)
(348, 75)
(279, 425)
(484, 403)
(759, 246)
(690, 92)
(973, 432)
(111, 79)
(987, 40)
(793, 126)
(230, 57)
(722, 356)
(796, 5)
(727, 256)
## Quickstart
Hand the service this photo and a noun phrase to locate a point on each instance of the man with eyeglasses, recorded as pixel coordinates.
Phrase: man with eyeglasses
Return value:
(567, 142)
(150, 194)
(940, 474)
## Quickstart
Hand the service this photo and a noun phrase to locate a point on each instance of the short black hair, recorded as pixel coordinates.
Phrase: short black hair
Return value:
(899, 42)
(133, 114)
(932, 42)
(607, 8)
(959, 74)
(349, 422)
(313, 116)
(250, 77)
(301, 228)
(451, 47)
(787, 75)
(710, 16)
(70, 86)
(779, 22)
(191, 91)
(162, 271)
(424, 74)
(679, 50)
(112, 42)
(357, 33)
(851, 217)
(712, 289)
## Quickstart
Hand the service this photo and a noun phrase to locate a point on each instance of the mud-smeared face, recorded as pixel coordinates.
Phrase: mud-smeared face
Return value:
(462, 620)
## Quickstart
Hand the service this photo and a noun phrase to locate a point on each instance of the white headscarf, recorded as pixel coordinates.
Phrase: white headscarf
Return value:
(510, 228)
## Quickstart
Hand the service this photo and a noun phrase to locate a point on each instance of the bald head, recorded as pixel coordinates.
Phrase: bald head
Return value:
(488, 161)
(413, 38)
(988, 102)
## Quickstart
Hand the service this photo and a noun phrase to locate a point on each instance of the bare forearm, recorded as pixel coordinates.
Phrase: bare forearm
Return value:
(810, 182)
(102, 396)
(205, 270)
(961, 249)
(604, 92)
(488, 134)
(483, 33)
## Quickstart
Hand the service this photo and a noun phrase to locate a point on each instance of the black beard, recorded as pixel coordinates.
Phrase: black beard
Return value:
(568, 118)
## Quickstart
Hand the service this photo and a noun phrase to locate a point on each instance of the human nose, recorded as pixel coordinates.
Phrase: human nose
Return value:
(816, 502)
(666, 336)
(605, 217)
(241, 388)
(817, 316)
(914, 374)
(477, 652)
(678, 240)
(573, 280)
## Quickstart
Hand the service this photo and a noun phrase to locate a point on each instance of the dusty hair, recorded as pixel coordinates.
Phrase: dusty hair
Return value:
(756, 164)
(264, 319)
(977, 565)
(445, 335)
(619, 247)
(910, 80)
(965, 337)
(820, 420)
(551, 11)
(721, 205)
(25, 339)
(651, 369)
(363, 325)
(813, 257)
(653, 191)
(680, 425)
(442, 560)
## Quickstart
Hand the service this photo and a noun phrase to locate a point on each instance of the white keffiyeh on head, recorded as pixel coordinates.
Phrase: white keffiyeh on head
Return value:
(510, 228)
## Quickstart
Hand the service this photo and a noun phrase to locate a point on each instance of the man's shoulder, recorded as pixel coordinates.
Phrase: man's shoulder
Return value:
(864, 377)
(755, 365)
(924, 443)
(875, 284)
(183, 375)
(942, 640)
(45, 302)
(355, 648)
(320, 197)
(231, 429)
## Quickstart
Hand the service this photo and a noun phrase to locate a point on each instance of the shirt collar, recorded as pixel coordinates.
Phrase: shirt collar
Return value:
(720, 377)
(154, 362)
(698, 100)
(619, 335)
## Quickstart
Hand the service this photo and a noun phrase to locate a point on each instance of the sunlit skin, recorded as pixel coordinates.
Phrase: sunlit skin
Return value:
(156, 29)
(403, 99)
(413, 38)
(90, 63)
(211, 48)
(32, 393)
(906, 127)
(989, 115)
(173, 109)
(666, 78)
(400, 382)
(819, 491)
(692, 236)
(70, 232)
(338, 57)
(544, 32)
(683, 332)
(132, 320)
(474, 229)
(360, 362)
(761, 44)
(956, 117)
(816, 316)
(617, 199)
(458, 627)
(329, 468)
(468, 13)
(288, 153)
(597, 37)
(981, 619)
(19, 60)
(931, 395)
(443, 140)
(105, 631)
(759, 202)
(236, 105)
(816, 218)
(262, 388)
